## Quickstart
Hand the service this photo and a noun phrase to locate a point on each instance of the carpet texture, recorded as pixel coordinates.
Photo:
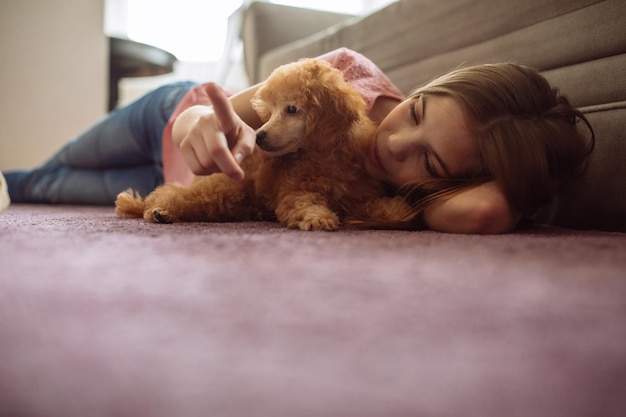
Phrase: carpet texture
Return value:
(101, 316)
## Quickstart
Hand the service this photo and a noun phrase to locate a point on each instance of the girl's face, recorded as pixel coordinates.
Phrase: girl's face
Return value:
(422, 138)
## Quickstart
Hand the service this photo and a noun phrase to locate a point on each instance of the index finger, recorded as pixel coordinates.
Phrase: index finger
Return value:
(223, 108)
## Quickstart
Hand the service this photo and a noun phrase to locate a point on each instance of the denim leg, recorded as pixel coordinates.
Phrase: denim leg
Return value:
(64, 185)
(124, 150)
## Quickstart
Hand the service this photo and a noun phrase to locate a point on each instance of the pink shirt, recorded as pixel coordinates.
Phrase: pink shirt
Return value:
(362, 73)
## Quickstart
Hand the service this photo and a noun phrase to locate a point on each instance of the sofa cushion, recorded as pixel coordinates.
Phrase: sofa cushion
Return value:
(403, 36)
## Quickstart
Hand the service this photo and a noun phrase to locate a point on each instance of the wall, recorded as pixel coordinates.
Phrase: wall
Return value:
(53, 76)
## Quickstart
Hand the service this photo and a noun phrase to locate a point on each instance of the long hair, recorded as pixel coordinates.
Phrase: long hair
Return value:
(528, 134)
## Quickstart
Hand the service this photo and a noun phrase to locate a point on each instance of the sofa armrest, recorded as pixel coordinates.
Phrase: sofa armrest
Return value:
(267, 25)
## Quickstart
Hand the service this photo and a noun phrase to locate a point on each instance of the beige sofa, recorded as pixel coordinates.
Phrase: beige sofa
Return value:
(579, 45)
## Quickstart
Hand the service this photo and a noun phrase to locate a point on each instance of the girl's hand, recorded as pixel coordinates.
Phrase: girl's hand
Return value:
(214, 139)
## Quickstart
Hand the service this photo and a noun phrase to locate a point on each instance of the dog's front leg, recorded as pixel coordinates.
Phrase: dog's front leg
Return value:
(306, 211)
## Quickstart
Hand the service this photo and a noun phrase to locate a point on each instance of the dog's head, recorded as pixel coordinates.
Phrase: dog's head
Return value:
(306, 105)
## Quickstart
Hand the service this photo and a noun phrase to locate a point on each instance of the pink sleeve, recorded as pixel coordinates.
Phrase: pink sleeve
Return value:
(364, 75)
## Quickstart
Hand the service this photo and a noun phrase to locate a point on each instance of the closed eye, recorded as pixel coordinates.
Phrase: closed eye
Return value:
(428, 167)
(413, 113)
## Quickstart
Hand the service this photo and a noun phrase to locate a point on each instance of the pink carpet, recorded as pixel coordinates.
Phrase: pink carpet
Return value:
(102, 316)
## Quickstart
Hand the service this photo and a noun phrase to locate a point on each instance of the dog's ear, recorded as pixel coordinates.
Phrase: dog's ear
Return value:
(334, 105)
(260, 107)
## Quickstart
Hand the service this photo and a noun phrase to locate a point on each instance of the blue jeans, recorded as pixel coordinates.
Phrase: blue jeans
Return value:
(124, 150)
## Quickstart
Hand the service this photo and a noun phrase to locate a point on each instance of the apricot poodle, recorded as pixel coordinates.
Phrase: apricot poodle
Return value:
(307, 171)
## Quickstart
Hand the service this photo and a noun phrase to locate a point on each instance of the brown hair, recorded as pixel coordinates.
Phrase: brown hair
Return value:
(527, 132)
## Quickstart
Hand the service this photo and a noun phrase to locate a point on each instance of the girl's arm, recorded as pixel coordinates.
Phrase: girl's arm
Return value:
(217, 138)
(482, 209)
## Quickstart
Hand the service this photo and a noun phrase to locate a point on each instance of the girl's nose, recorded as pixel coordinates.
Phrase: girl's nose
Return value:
(402, 144)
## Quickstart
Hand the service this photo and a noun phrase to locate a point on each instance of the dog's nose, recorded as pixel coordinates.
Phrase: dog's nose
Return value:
(260, 137)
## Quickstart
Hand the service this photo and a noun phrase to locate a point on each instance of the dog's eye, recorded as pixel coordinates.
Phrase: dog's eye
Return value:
(292, 109)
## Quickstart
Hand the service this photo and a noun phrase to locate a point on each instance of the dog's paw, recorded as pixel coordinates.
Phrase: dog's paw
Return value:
(158, 215)
(314, 222)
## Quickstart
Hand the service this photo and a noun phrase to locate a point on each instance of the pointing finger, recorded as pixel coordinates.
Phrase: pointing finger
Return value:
(222, 107)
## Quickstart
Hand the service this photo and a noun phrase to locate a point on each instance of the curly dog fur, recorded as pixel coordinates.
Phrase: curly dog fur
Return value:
(308, 171)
